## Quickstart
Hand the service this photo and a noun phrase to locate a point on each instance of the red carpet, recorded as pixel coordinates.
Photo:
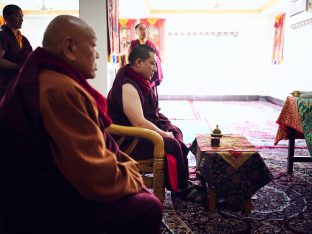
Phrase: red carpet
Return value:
(282, 206)
(253, 119)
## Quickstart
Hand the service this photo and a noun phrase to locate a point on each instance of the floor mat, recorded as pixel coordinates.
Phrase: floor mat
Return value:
(179, 109)
(256, 120)
(282, 206)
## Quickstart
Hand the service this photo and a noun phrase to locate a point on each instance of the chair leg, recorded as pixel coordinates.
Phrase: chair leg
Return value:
(291, 151)
(212, 202)
(159, 180)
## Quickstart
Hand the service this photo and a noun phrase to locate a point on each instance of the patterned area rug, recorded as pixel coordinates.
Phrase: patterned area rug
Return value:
(256, 120)
(282, 206)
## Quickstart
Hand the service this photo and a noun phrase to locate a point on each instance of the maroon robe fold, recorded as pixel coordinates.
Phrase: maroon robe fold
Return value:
(149, 102)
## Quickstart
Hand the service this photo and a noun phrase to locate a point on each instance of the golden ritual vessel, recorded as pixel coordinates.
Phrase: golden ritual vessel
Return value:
(215, 137)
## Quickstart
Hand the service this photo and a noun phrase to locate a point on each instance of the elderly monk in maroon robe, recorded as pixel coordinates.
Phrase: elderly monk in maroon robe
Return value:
(14, 47)
(141, 32)
(133, 102)
(60, 171)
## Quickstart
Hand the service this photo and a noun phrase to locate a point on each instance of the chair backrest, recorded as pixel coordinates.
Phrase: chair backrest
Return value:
(146, 167)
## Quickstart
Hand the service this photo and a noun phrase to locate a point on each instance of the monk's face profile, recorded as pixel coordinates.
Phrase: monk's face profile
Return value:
(74, 41)
(87, 55)
(148, 67)
(14, 20)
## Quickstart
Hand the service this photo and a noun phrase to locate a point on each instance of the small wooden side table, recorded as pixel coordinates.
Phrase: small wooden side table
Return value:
(234, 170)
(290, 128)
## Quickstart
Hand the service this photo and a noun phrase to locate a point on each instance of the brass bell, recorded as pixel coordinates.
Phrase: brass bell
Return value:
(215, 137)
(216, 132)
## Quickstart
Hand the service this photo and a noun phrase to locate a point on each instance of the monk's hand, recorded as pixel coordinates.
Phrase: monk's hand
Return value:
(170, 134)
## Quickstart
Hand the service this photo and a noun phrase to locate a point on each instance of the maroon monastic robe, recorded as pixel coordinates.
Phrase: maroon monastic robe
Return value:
(36, 197)
(158, 76)
(149, 102)
(13, 53)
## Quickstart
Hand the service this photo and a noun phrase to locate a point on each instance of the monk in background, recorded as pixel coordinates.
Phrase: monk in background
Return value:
(60, 171)
(14, 47)
(132, 102)
(141, 32)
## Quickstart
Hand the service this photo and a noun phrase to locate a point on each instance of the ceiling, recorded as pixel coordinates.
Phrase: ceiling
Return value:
(45, 6)
(207, 4)
(131, 8)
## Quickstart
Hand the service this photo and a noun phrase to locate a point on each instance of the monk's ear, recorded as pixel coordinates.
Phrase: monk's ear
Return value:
(138, 62)
(69, 48)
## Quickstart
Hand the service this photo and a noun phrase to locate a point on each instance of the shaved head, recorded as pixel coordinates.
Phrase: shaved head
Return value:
(64, 26)
(74, 41)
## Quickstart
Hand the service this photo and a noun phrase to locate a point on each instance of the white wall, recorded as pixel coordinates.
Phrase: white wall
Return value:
(33, 28)
(295, 71)
(95, 15)
(190, 69)
(209, 65)
(247, 70)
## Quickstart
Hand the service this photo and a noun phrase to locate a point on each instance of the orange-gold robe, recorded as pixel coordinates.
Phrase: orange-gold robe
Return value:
(78, 144)
(60, 171)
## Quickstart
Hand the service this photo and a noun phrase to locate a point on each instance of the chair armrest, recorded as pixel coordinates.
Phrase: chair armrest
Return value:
(145, 133)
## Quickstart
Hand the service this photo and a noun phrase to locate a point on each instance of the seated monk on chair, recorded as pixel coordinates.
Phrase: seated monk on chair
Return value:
(60, 170)
(133, 102)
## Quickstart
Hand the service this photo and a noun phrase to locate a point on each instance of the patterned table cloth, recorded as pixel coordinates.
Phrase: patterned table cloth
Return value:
(289, 118)
(234, 170)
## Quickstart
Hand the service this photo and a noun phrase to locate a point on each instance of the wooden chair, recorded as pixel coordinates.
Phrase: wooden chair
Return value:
(152, 170)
